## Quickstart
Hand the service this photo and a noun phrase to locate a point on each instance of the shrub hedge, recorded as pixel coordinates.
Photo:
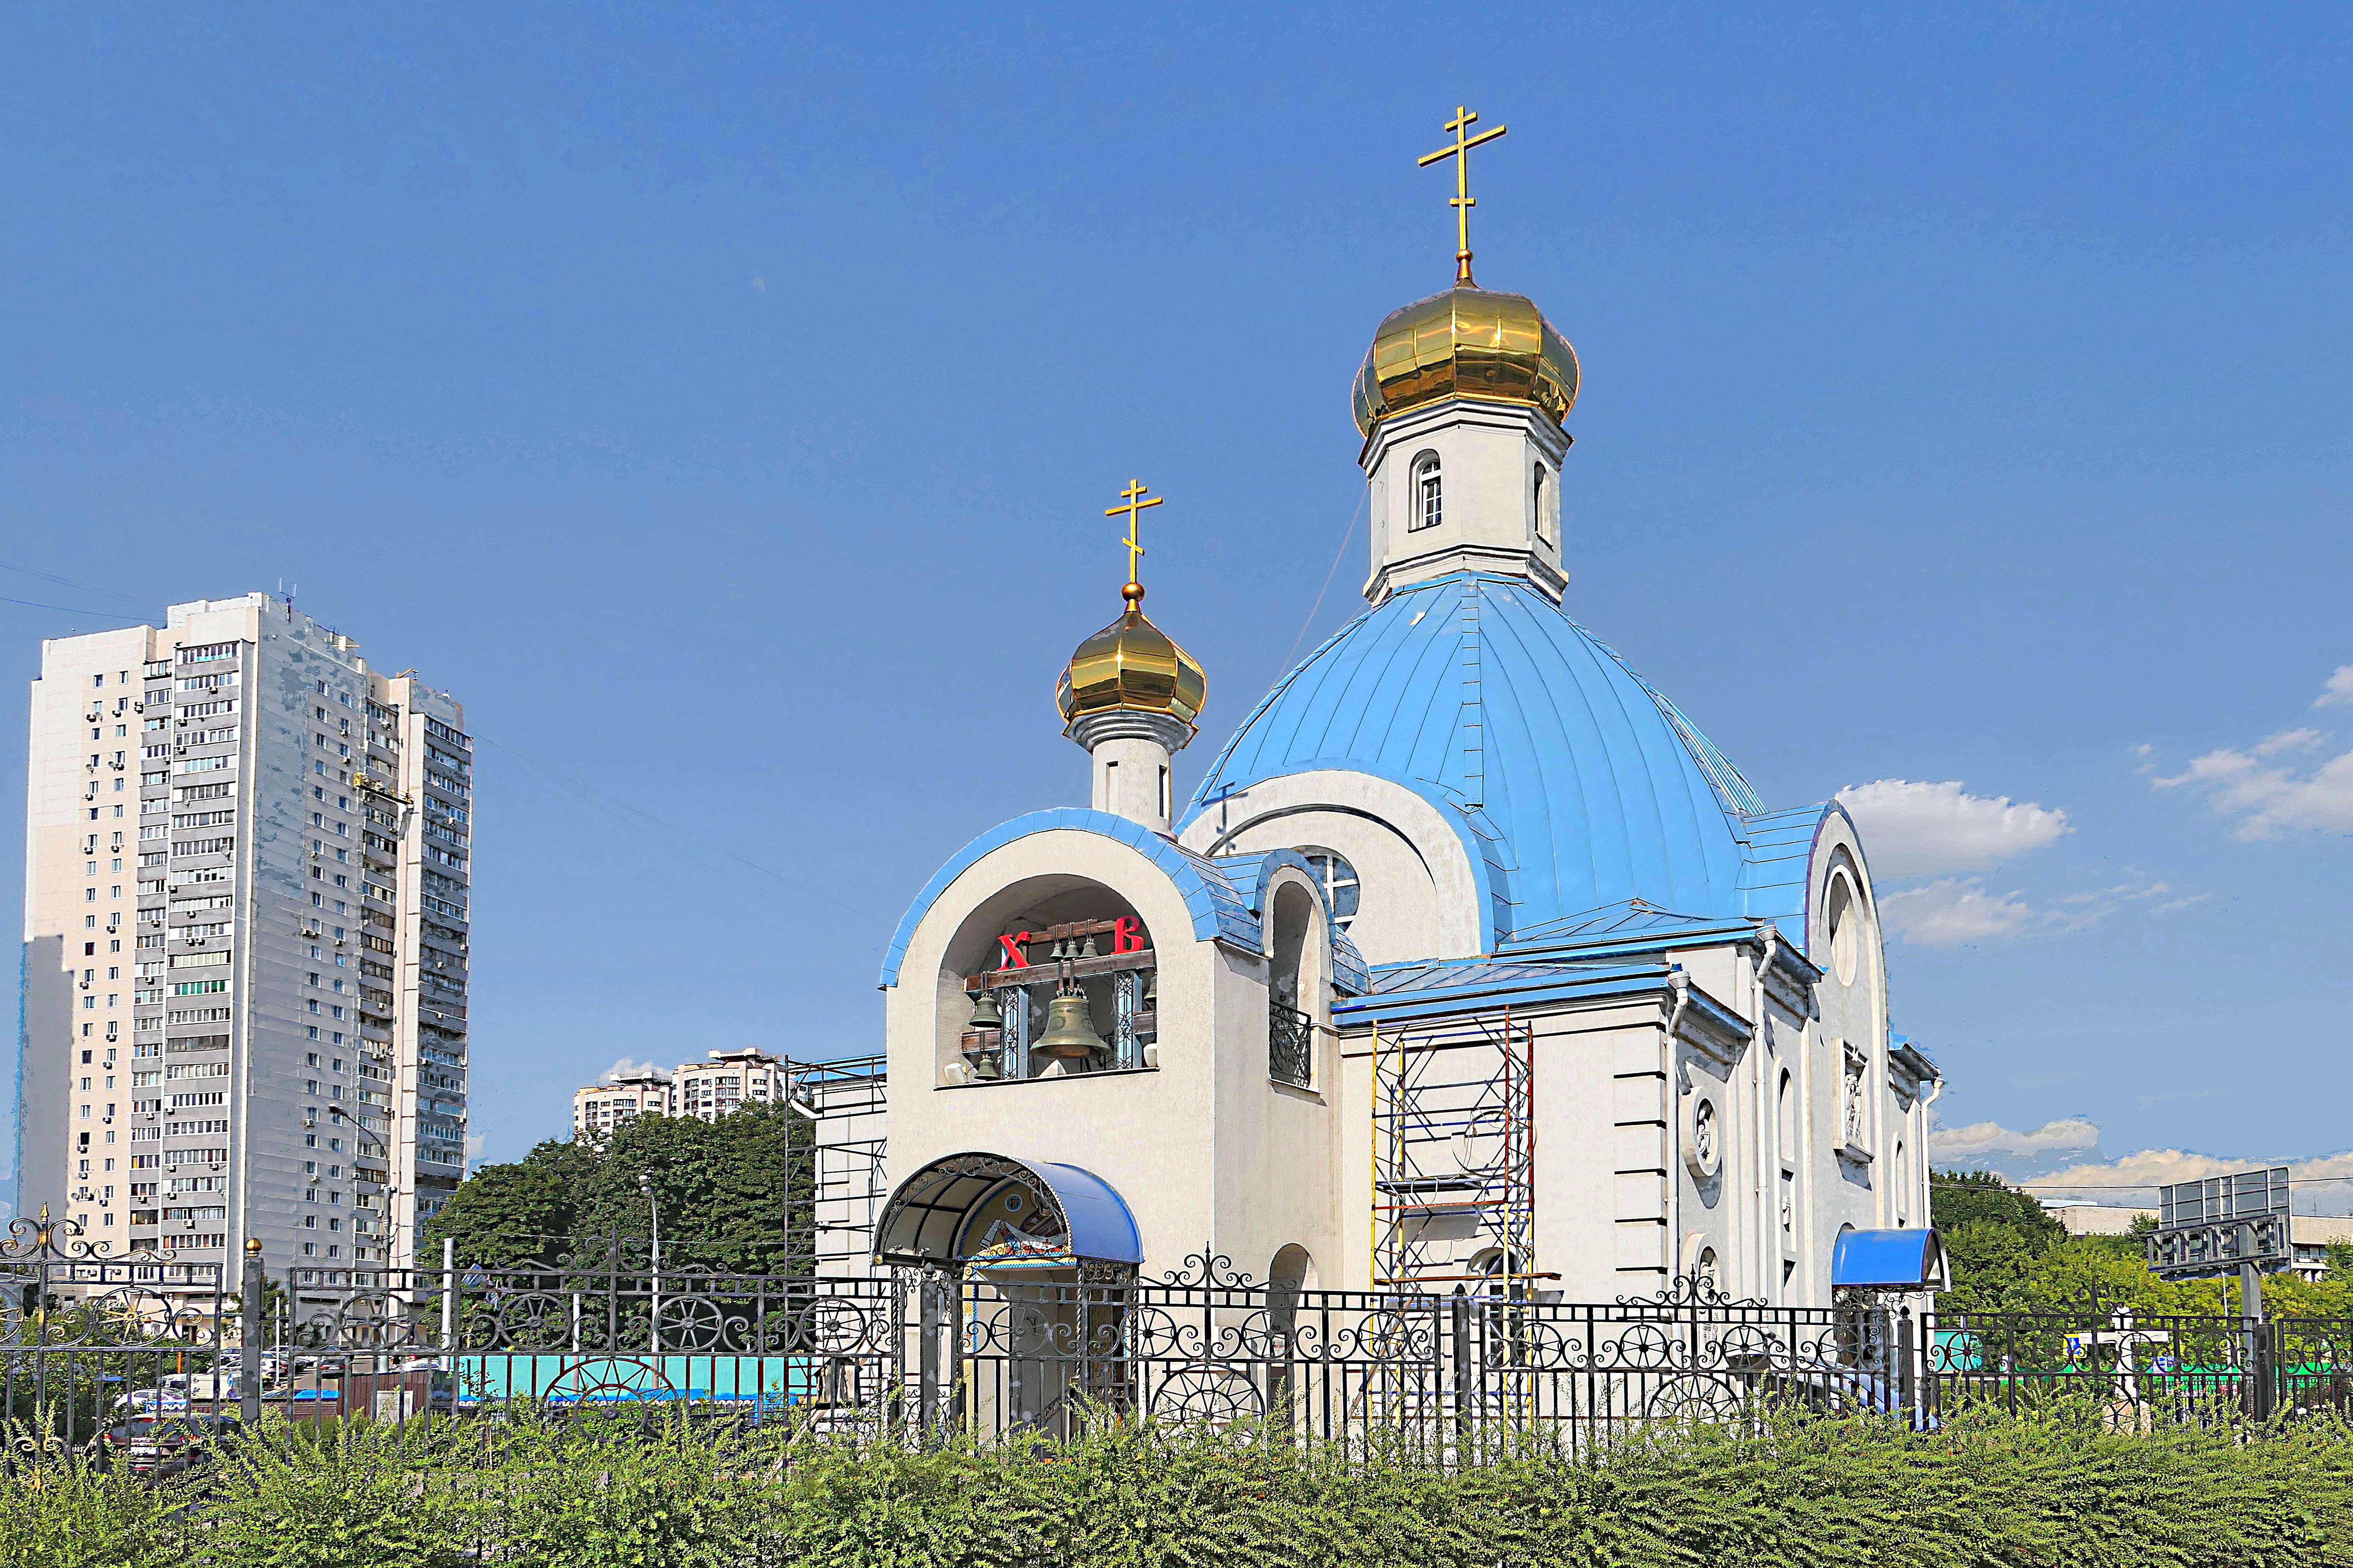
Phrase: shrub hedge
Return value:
(1801, 1492)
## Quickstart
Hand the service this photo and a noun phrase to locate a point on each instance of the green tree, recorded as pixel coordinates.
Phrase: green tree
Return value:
(512, 1212)
(2011, 1254)
(735, 1195)
(1957, 1197)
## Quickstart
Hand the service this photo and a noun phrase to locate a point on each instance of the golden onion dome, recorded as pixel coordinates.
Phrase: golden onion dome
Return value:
(1131, 665)
(1466, 342)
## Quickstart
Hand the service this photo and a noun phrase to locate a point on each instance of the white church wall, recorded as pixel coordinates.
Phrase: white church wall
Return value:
(1487, 455)
(1204, 1149)
(1785, 1132)
(1123, 1127)
(1279, 1146)
(1859, 1116)
(1601, 1109)
(1716, 1169)
(1420, 895)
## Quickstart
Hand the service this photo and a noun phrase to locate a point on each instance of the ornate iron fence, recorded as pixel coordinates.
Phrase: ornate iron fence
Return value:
(91, 1342)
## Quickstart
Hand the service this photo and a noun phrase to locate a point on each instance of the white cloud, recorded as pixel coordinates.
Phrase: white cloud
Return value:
(1916, 829)
(613, 1074)
(2123, 890)
(2338, 689)
(2270, 798)
(1958, 1144)
(1953, 912)
(2326, 1181)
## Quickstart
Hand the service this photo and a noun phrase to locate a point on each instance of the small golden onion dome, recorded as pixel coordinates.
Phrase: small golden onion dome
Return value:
(1131, 664)
(1466, 342)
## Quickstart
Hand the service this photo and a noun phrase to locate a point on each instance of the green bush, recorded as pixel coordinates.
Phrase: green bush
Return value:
(2058, 1487)
(63, 1515)
(331, 1496)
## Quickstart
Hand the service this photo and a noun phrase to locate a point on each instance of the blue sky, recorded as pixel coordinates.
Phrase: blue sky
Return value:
(722, 402)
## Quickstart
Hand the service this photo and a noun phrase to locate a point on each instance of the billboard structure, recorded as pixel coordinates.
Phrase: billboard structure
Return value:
(2222, 1225)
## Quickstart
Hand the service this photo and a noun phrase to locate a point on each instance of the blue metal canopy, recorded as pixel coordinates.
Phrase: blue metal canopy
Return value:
(1889, 1260)
(925, 1217)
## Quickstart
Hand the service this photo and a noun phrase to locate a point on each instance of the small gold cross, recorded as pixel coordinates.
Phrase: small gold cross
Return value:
(1133, 501)
(1463, 203)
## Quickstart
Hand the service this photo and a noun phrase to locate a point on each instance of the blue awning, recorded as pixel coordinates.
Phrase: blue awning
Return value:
(1910, 1259)
(926, 1213)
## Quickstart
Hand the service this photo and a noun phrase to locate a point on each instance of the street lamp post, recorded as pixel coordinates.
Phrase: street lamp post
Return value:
(653, 1321)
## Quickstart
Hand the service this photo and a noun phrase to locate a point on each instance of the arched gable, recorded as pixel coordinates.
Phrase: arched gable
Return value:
(1219, 911)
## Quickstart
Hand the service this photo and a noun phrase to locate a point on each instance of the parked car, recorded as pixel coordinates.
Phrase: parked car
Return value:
(168, 1445)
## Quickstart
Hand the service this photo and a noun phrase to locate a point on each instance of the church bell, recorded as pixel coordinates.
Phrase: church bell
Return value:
(1068, 1030)
(986, 1013)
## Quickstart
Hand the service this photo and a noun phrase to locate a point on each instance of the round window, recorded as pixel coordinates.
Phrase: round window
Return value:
(1341, 888)
(1703, 1136)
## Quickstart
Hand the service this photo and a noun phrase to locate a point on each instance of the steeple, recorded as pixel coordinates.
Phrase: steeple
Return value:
(1131, 695)
(1460, 401)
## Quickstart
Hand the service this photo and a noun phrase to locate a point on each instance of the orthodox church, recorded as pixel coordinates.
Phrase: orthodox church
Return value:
(1470, 962)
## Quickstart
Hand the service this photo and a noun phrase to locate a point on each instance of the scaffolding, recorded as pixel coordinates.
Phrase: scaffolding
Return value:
(1454, 1142)
(847, 1100)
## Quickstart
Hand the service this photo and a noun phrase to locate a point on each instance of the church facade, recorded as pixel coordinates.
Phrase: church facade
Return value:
(1470, 962)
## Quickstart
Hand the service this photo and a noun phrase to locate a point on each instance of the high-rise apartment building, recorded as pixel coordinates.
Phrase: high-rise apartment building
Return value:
(246, 891)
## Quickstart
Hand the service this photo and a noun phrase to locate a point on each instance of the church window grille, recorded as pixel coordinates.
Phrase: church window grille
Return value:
(1429, 495)
(1342, 890)
(1290, 1039)
(1125, 1050)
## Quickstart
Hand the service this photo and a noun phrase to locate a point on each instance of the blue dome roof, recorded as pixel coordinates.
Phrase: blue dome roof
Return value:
(1581, 785)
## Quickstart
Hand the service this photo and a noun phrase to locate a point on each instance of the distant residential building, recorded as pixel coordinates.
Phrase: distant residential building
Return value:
(599, 1107)
(728, 1081)
(705, 1089)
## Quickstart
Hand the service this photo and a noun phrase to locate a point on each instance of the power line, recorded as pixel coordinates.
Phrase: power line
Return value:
(654, 827)
(1329, 574)
(63, 583)
(71, 610)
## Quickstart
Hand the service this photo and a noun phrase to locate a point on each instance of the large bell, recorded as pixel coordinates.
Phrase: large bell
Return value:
(1068, 1031)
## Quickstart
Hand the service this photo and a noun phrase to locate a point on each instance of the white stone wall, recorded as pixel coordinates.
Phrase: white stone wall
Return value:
(1206, 1149)
(1488, 455)
(1419, 899)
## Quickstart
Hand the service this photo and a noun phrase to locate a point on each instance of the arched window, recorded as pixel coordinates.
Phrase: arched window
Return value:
(1429, 502)
(1846, 938)
(1291, 1034)
(1537, 506)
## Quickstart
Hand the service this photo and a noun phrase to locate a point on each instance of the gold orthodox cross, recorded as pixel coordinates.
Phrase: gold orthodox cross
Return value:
(1463, 203)
(1133, 501)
